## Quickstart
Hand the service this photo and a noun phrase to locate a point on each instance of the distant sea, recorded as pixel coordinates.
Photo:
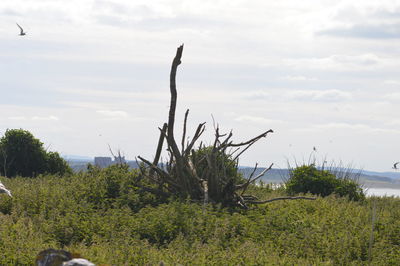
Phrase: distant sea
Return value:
(383, 192)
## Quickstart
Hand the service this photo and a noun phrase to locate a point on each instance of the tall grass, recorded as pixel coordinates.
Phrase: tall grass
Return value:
(338, 168)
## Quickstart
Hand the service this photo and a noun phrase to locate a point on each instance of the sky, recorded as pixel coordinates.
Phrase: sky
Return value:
(93, 73)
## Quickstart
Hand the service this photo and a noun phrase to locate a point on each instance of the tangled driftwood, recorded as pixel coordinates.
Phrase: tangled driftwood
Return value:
(199, 176)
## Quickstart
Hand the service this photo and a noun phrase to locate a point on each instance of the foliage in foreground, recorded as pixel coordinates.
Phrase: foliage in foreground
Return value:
(21, 154)
(103, 216)
(309, 179)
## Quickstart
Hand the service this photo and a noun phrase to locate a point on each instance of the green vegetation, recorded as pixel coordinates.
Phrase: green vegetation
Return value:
(225, 165)
(105, 217)
(21, 154)
(309, 179)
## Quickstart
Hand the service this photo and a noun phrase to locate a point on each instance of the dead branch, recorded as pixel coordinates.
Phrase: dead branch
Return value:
(171, 117)
(249, 197)
(217, 136)
(227, 139)
(109, 148)
(160, 172)
(160, 144)
(253, 172)
(281, 198)
(159, 147)
(184, 130)
(199, 131)
(263, 135)
(262, 173)
(118, 158)
(242, 151)
(249, 181)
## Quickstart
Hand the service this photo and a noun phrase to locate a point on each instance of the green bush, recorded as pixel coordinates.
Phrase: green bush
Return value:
(114, 186)
(349, 188)
(309, 179)
(56, 165)
(21, 154)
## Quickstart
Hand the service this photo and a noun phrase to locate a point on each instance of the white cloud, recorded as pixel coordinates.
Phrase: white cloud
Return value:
(257, 95)
(371, 31)
(367, 21)
(117, 94)
(45, 118)
(257, 120)
(349, 127)
(17, 118)
(299, 78)
(315, 95)
(343, 126)
(113, 114)
(393, 122)
(341, 62)
(392, 82)
(35, 118)
(395, 96)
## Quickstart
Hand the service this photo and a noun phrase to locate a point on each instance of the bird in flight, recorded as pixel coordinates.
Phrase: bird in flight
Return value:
(395, 166)
(22, 33)
(314, 149)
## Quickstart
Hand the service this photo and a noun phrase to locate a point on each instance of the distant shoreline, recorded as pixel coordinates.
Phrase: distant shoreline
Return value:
(380, 192)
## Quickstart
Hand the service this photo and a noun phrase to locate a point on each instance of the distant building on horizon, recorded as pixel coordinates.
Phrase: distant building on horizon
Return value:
(103, 162)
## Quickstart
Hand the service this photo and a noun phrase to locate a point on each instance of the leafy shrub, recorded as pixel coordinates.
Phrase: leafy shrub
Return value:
(309, 179)
(114, 186)
(349, 188)
(56, 165)
(21, 154)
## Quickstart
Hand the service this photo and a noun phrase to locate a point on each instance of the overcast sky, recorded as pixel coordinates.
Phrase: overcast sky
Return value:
(319, 73)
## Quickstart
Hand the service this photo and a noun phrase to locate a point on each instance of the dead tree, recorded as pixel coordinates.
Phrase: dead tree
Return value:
(118, 159)
(199, 176)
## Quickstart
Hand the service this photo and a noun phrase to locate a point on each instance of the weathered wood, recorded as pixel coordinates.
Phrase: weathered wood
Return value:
(180, 175)
(281, 198)
(263, 135)
(199, 131)
(171, 117)
(252, 180)
(184, 130)
(159, 147)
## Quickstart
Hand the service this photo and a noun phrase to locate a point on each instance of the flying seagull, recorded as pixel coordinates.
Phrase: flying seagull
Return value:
(4, 190)
(22, 33)
(395, 166)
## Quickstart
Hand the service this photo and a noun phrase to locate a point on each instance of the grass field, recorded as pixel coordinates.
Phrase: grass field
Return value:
(102, 216)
